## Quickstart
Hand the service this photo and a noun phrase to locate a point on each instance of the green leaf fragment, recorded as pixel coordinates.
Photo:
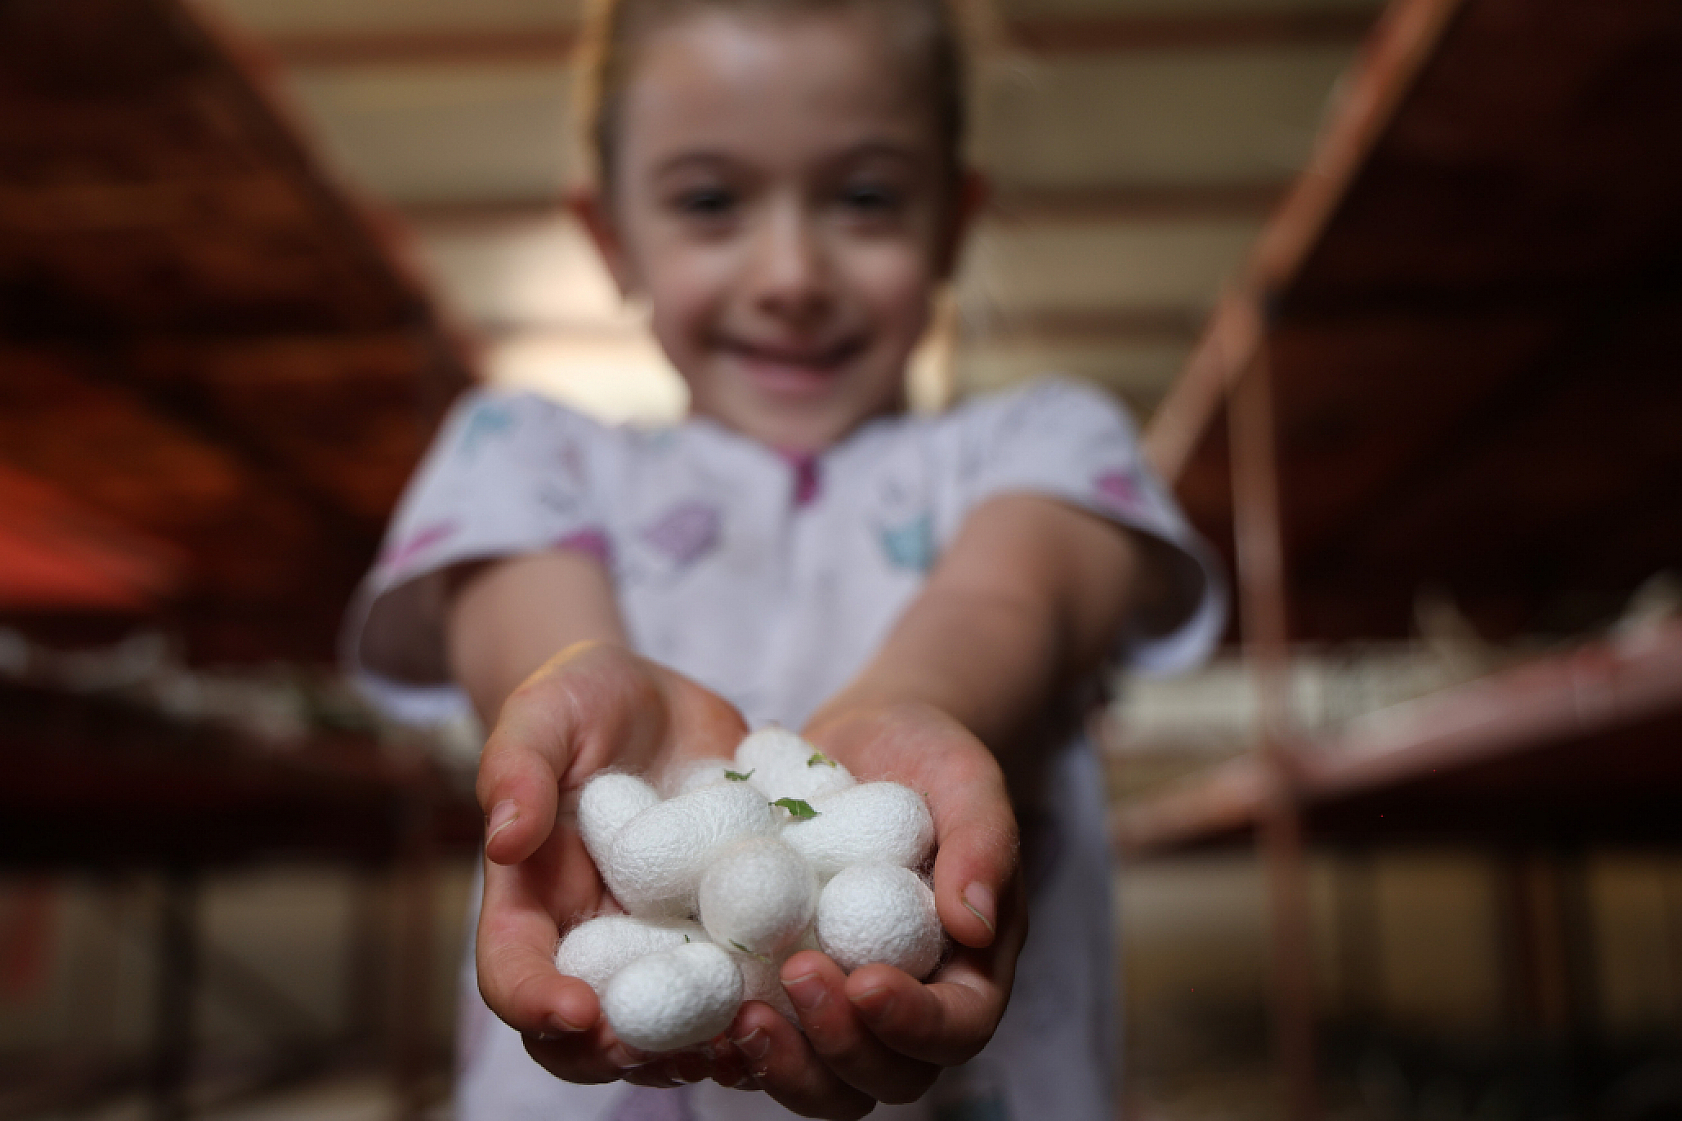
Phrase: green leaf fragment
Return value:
(799, 810)
(819, 759)
(757, 957)
(737, 776)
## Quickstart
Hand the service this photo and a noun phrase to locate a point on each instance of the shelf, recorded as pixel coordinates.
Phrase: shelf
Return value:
(1571, 749)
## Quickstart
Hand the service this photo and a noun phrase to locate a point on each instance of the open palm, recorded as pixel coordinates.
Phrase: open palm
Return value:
(590, 707)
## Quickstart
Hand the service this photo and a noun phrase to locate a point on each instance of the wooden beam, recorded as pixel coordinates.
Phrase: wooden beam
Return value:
(464, 47)
(1215, 31)
(1399, 47)
(1137, 201)
(1048, 36)
(1160, 325)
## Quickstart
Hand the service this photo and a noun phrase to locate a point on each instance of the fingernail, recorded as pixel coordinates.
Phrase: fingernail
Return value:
(807, 992)
(502, 816)
(557, 1024)
(979, 899)
(755, 1045)
(874, 1003)
(625, 1058)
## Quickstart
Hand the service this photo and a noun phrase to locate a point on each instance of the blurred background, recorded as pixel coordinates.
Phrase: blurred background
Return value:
(1396, 292)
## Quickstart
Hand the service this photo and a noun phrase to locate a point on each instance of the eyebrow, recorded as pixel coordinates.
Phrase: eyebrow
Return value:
(714, 160)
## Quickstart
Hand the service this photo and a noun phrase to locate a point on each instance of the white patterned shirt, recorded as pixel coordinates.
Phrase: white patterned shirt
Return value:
(773, 581)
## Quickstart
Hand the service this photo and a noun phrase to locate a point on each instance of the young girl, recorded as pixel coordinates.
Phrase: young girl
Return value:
(927, 598)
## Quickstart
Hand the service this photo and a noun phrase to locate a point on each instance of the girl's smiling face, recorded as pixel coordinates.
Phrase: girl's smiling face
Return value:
(780, 196)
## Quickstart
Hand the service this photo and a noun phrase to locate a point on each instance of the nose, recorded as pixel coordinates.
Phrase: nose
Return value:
(790, 269)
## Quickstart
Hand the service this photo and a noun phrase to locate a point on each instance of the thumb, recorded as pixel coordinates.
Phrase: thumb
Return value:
(591, 705)
(519, 777)
(977, 859)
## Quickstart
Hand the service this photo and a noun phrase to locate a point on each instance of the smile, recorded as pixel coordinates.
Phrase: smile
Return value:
(793, 372)
(818, 359)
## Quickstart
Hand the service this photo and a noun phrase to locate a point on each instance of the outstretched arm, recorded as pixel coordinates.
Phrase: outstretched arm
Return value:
(1029, 597)
(557, 718)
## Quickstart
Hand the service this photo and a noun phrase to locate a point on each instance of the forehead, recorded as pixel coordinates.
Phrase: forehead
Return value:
(786, 86)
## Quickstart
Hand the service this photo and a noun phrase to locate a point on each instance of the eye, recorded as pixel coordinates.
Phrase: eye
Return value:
(870, 198)
(705, 202)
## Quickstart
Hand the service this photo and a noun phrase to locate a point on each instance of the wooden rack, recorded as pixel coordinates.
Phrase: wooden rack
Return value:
(1450, 367)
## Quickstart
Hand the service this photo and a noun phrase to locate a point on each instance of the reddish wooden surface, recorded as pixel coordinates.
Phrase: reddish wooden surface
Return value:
(1569, 749)
(202, 339)
(96, 782)
(1472, 305)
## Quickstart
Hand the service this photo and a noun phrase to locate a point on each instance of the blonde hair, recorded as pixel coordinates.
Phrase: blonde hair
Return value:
(942, 31)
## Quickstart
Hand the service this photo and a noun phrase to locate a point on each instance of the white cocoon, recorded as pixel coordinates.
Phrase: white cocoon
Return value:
(607, 802)
(758, 896)
(780, 763)
(654, 862)
(684, 778)
(595, 950)
(874, 822)
(762, 980)
(880, 913)
(675, 998)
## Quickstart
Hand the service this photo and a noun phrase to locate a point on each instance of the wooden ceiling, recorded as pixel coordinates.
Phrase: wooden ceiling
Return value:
(209, 359)
(1476, 360)
(1135, 147)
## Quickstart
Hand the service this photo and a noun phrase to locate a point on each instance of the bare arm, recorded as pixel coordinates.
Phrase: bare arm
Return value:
(508, 617)
(538, 644)
(1029, 597)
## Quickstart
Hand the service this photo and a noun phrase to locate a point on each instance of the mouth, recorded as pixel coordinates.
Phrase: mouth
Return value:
(793, 368)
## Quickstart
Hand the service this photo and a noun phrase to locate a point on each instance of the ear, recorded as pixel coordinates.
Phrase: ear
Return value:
(594, 212)
(970, 198)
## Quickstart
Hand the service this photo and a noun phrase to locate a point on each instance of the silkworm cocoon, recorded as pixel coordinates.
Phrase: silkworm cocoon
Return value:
(655, 861)
(675, 998)
(880, 913)
(595, 950)
(762, 980)
(758, 896)
(685, 778)
(784, 765)
(874, 822)
(607, 802)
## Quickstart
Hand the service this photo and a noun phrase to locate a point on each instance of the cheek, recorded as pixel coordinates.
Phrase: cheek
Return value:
(898, 282)
(686, 292)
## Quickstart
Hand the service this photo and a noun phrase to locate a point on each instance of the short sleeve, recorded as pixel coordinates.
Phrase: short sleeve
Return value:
(1072, 442)
(506, 475)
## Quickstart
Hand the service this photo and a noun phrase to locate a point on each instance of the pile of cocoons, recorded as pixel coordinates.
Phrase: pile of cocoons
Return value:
(733, 866)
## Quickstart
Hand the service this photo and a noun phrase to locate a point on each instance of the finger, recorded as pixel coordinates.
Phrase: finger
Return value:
(520, 770)
(683, 1067)
(729, 1068)
(945, 1022)
(783, 1064)
(976, 831)
(588, 706)
(524, 990)
(514, 952)
(588, 1057)
(840, 1038)
(968, 799)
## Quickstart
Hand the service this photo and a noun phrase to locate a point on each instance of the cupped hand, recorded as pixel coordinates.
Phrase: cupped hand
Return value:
(879, 1035)
(592, 706)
